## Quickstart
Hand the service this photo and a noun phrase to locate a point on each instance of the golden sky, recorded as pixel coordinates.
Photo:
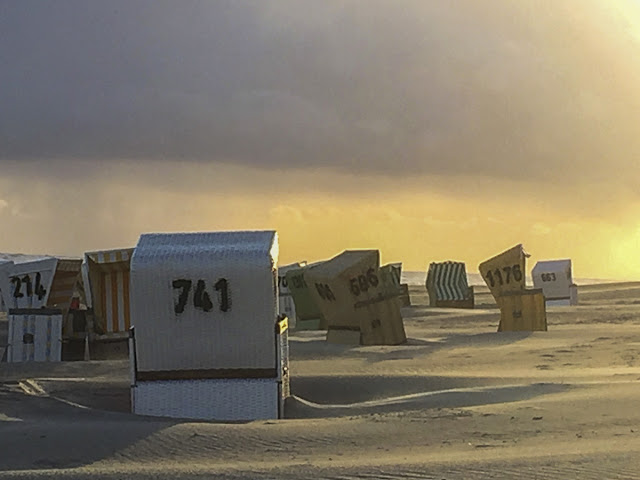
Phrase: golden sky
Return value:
(319, 214)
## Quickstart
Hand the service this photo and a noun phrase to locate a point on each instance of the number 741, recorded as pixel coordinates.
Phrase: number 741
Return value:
(201, 298)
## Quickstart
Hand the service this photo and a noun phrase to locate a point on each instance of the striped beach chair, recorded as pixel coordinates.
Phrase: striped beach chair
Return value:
(66, 280)
(106, 283)
(448, 287)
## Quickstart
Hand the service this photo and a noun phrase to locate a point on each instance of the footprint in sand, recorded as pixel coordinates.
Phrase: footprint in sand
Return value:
(544, 367)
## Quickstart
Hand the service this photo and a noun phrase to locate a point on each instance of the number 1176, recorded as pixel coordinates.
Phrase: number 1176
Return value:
(504, 277)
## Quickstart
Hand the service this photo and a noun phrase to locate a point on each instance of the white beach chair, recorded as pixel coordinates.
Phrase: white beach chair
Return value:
(206, 340)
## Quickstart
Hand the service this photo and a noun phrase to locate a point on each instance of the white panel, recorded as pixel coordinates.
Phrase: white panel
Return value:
(30, 283)
(174, 333)
(46, 334)
(226, 400)
(132, 364)
(573, 294)
(286, 304)
(283, 287)
(288, 307)
(108, 311)
(120, 282)
(5, 290)
(558, 303)
(86, 283)
(56, 339)
(41, 341)
(11, 326)
(18, 350)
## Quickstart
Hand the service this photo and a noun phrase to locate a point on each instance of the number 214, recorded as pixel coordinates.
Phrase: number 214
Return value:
(18, 282)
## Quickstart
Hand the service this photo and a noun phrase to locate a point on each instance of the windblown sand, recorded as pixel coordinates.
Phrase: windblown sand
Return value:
(459, 401)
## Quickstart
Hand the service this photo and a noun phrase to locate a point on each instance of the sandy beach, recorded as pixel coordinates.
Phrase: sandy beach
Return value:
(458, 401)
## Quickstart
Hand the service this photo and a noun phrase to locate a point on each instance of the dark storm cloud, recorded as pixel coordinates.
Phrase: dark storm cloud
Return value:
(492, 88)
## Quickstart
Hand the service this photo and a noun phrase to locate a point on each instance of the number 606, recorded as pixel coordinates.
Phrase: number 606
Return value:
(361, 283)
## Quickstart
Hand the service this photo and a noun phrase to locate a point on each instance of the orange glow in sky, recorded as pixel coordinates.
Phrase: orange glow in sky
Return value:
(317, 216)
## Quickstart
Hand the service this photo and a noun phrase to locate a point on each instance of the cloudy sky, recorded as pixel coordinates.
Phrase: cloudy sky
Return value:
(431, 130)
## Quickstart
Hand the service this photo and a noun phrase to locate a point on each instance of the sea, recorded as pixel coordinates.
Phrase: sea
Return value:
(475, 279)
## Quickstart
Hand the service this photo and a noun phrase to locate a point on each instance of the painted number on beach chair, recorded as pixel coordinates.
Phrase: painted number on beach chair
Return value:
(325, 292)
(548, 277)
(201, 298)
(222, 287)
(503, 277)
(282, 282)
(361, 283)
(298, 281)
(29, 288)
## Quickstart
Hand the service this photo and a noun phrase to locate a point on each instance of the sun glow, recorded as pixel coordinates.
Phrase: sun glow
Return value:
(417, 224)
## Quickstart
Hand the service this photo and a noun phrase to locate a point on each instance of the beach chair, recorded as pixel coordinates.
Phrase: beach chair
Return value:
(32, 282)
(521, 309)
(207, 341)
(448, 287)
(39, 281)
(106, 284)
(390, 276)
(351, 296)
(555, 279)
(308, 314)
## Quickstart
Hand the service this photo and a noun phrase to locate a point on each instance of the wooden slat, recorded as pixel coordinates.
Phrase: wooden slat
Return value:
(125, 293)
(103, 300)
(114, 303)
(209, 374)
